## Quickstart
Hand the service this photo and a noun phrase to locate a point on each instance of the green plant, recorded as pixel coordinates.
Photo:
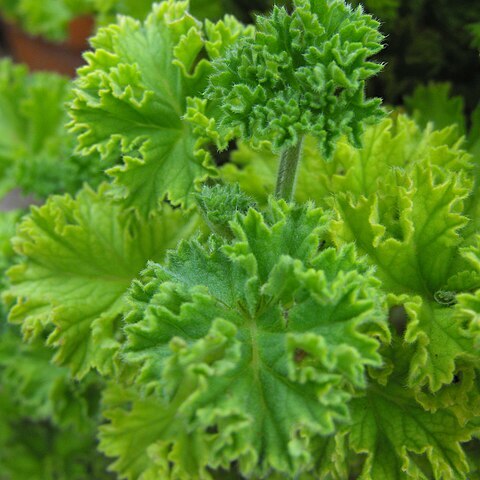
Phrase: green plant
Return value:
(41, 407)
(328, 331)
(36, 151)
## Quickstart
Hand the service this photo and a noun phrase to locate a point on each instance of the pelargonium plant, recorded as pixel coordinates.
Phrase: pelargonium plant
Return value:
(308, 310)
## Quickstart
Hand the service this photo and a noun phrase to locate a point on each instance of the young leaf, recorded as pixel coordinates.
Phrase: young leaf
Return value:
(220, 204)
(302, 73)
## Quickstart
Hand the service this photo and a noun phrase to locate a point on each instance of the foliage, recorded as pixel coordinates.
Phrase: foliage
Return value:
(413, 212)
(280, 85)
(142, 117)
(300, 347)
(46, 419)
(51, 18)
(41, 407)
(35, 148)
(197, 325)
(65, 242)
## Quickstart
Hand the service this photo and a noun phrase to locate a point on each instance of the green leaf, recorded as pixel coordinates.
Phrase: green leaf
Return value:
(36, 152)
(441, 342)
(432, 103)
(48, 18)
(405, 210)
(247, 351)
(414, 253)
(468, 313)
(460, 397)
(78, 259)
(47, 419)
(130, 101)
(44, 391)
(220, 204)
(109, 9)
(8, 223)
(47, 452)
(301, 73)
(473, 140)
(358, 170)
(401, 440)
(408, 199)
(253, 170)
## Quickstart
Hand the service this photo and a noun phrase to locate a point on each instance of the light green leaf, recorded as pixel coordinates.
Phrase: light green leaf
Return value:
(36, 152)
(78, 259)
(253, 170)
(130, 101)
(413, 252)
(409, 218)
(401, 440)
(433, 103)
(441, 340)
(460, 397)
(468, 313)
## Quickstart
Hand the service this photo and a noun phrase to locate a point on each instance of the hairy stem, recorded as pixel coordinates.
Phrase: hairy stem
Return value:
(287, 171)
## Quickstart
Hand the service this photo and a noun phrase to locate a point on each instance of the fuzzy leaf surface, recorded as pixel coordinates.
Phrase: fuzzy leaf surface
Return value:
(408, 199)
(301, 73)
(252, 347)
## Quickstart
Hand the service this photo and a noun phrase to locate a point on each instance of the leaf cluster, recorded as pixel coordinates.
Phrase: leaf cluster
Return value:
(300, 74)
(36, 151)
(215, 331)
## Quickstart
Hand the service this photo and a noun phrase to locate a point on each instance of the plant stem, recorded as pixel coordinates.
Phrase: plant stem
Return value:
(287, 171)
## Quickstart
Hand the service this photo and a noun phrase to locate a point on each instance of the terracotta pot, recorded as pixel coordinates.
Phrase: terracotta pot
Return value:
(41, 54)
